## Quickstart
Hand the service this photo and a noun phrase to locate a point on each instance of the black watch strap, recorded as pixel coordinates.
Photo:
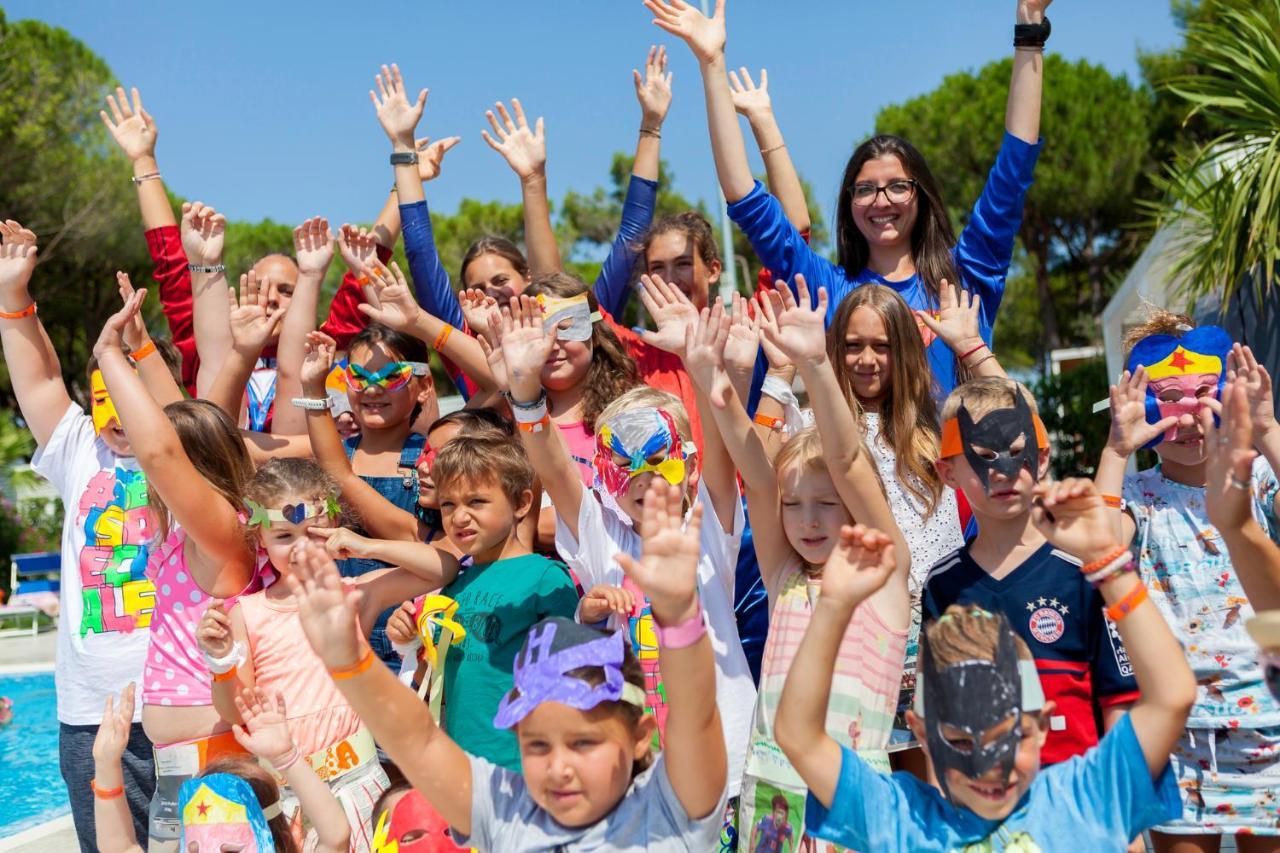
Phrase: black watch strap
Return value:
(404, 158)
(1031, 35)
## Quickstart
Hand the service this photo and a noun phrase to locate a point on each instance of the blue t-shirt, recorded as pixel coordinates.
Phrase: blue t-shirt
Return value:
(1095, 802)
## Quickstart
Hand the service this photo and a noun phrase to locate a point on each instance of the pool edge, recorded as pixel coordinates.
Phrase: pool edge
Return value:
(37, 833)
(26, 668)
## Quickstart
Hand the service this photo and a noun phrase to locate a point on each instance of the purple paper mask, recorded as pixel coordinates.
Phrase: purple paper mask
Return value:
(554, 648)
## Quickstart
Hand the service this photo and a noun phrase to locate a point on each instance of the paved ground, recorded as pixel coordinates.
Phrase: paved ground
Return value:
(24, 650)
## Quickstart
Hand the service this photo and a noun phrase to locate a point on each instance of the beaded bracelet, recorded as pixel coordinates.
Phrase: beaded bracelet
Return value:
(1090, 568)
(1123, 563)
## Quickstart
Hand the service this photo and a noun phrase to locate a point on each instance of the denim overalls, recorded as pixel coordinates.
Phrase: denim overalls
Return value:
(403, 492)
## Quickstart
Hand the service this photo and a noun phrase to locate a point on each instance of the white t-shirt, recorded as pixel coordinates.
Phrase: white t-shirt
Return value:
(592, 556)
(106, 599)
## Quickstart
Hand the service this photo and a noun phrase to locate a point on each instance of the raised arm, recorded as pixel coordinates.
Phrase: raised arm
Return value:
(1129, 431)
(1244, 368)
(667, 572)
(861, 564)
(113, 824)
(704, 353)
(135, 131)
(754, 102)
(396, 717)
(313, 247)
(251, 323)
(208, 518)
(150, 365)
(958, 325)
(1022, 115)
(203, 230)
(34, 370)
(423, 568)
(525, 151)
(1072, 515)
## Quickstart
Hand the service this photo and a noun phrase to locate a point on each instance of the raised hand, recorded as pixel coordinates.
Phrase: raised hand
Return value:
(265, 732)
(1229, 458)
(132, 127)
(253, 321)
(477, 308)
(340, 543)
(317, 360)
(17, 258)
(357, 247)
(794, 327)
(388, 298)
(491, 344)
(431, 155)
(526, 346)
(1244, 367)
(603, 601)
(957, 319)
(313, 246)
(203, 230)
(135, 332)
(667, 571)
(1032, 11)
(1129, 427)
(749, 99)
(861, 563)
(524, 150)
(398, 116)
(112, 335)
(213, 633)
(653, 90)
(743, 342)
(705, 36)
(1071, 514)
(117, 723)
(704, 354)
(328, 610)
(672, 313)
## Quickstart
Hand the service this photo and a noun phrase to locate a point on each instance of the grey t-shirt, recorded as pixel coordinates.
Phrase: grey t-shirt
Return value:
(505, 818)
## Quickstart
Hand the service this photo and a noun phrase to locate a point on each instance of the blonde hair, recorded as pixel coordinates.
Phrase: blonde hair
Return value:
(1158, 321)
(644, 395)
(484, 458)
(966, 632)
(984, 395)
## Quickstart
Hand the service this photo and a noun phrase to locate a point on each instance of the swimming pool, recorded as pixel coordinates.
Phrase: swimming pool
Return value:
(31, 786)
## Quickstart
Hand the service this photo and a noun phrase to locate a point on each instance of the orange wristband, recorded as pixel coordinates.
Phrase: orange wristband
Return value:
(1113, 501)
(536, 426)
(225, 676)
(766, 421)
(105, 793)
(1101, 562)
(143, 351)
(18, 315)
(442, 337)
(1126, 605)
(355, 669)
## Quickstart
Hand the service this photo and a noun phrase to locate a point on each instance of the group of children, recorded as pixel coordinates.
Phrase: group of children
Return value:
(356, 624)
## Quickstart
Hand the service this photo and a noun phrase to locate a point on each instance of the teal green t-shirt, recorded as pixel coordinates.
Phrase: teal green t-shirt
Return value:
(497, 604)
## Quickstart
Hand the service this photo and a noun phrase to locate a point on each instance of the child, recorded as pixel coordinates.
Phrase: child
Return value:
(1228, 760)
(774, 830)
(586, 781)
(981, 711)
(234, 804)
(405, 820)
(995, 450)
(106, 601)
(820, 484)
(642, 435)
(892, 227)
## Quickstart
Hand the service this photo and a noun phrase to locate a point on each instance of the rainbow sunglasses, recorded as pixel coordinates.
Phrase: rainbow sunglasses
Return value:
(394, 376)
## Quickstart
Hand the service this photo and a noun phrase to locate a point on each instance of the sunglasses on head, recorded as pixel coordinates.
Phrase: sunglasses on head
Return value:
(392, 377)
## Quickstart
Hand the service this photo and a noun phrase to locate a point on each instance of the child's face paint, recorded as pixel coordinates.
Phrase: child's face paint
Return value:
(812, 512)
(106, 422)
(633, 446)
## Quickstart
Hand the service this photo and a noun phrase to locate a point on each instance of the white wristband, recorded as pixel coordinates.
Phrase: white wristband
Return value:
(779, 390)
(530, 416)
(315, 404)
(218, 666)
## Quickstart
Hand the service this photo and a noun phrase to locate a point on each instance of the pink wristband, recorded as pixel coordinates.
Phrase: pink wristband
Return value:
(286, 761)
(683, 635)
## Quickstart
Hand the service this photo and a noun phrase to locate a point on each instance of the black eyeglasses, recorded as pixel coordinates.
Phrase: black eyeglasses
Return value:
(895, 192)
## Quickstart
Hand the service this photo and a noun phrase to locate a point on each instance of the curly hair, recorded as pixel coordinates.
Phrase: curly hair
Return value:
(1159, 321)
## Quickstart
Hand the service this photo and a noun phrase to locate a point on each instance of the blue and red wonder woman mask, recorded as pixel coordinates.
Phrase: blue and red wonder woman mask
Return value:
(1181, 372)
(647, 439)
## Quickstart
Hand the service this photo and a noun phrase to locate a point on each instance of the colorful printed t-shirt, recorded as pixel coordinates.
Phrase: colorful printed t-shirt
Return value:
(106, 601)
(1059, 615)
(1095, 802)
(497, 605)
(770, 836)
(1185, 565)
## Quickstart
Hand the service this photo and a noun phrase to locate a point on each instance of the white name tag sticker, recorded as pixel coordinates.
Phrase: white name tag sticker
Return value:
(1057, 723)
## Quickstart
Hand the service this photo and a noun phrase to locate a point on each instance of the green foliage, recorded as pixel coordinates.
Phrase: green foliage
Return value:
(1073, 235)
(1224, 192)
(1066, 407)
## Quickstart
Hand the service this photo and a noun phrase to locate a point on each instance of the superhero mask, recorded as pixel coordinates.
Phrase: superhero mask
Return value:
(571, 318)
(997, 433)
(261, 516)
(1181, 371)
(973, 697)
(335, 388)
(100, 405)
(220, 811)
(555, 647)
(412, 826)
(393, 376)
(647, 438)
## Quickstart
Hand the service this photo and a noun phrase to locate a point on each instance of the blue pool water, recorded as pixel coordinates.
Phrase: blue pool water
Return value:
(31, 786)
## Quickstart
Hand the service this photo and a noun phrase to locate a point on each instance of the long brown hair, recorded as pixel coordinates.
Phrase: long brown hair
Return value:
(931, 239)
(909, 413)
(265, 789)
(612, 371)
(491, 245)
(211, 441)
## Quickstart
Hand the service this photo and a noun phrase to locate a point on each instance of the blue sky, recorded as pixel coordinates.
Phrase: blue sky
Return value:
(263, 108)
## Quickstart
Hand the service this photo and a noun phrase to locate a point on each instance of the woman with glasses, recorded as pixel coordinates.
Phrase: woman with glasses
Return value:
(891, 225)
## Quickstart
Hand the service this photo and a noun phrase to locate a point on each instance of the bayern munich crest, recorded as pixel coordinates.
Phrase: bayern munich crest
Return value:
(1047, 624)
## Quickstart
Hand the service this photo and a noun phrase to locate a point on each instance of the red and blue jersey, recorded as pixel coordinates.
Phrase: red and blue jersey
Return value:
(1059, 616)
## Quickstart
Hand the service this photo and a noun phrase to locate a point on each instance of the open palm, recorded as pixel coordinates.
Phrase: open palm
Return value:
(130, 125)
(524, 149)
(313, 246)
(317, 359)
(265, 732)
(17, 256)
(1129, 427)
(705, 36)
(357, 247)
(667, 571)
(253, 322)
(672, 313)
(327, 609)
(957, 318)
(526, 346)
(398, 115)
(203, 230)
(793, 326)
(388, 299)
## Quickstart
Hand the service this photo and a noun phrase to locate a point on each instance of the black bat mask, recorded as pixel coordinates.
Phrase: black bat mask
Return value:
(997, 432)
(972, 697)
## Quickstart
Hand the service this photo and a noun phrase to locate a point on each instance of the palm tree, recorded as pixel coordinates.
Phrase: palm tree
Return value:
(1224, 195)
